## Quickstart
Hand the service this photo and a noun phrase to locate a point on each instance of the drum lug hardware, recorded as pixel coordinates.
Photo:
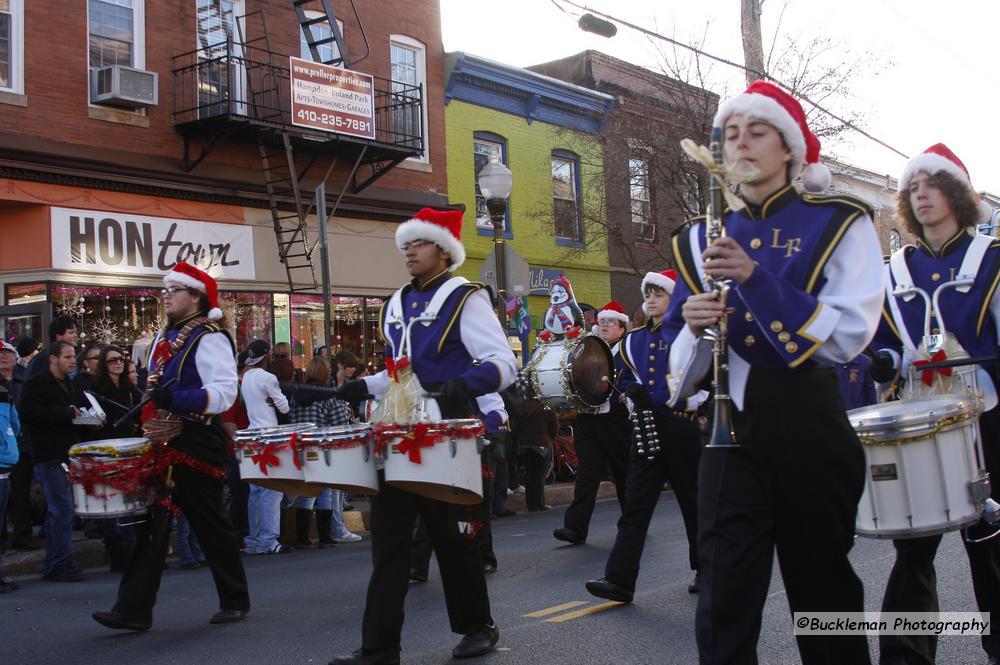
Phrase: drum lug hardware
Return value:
(326, 455)
(979, 489)
(367, 451)
(480, 445)
(453, 446)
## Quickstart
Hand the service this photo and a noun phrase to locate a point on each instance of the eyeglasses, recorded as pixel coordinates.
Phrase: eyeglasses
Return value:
(89, 358)
(171, 290)
(416, 244)
(116, 359)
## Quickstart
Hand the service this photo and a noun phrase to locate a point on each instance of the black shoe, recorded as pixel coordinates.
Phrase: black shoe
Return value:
(695, 585)
(605, 588)
(6, 584)
(569, 536)
(229, 616)
(191, 565)
(479, 643)
(31, 545)
(489, 568)
(506, 513)
(363, 657)
(119, 621)
(417, 576)
(65, 575)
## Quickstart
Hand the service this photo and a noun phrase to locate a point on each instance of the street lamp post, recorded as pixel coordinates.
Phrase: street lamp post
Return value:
(495, 182)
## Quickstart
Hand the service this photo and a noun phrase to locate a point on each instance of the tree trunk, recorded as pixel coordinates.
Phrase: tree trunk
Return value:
(753, 47)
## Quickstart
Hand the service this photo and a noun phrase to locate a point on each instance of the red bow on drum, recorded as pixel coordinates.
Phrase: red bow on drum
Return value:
(394, 367)
(415, 440)
(927, 375)
(266, 458)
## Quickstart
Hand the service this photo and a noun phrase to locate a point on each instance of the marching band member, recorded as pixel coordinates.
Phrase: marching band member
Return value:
(937, 204)
(460, 354)
(200, 369)
(644, 353)
(601, 440)
(806, 293)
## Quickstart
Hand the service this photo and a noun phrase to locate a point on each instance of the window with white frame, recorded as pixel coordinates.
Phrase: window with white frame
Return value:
(116, 33)
(327, 52)
(643, 227)
(12, 45)
(566, 196)
(408, 64)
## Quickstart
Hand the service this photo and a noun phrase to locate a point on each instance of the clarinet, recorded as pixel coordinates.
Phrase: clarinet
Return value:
(723, 435)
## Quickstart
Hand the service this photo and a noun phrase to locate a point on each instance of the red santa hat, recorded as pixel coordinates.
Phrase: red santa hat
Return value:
(441, 227)
(936, 159)
(766, 101)
(665, 279)
(613, 310)
(187, 276)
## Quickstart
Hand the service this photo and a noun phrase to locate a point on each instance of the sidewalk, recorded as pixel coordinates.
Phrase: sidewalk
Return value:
(89, 552)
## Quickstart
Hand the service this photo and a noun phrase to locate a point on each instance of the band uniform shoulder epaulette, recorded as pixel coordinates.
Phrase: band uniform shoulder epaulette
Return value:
(847, 200)
(213, 326)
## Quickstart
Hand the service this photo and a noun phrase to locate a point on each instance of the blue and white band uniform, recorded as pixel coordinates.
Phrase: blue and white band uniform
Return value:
(204, 369)
(645, 356)
(464, 340)
(813, 298)
(971, 313)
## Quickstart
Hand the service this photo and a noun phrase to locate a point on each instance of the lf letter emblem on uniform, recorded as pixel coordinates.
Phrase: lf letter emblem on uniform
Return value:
(791, 246)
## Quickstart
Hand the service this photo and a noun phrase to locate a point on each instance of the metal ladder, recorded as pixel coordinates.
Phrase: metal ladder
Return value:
(328, 20)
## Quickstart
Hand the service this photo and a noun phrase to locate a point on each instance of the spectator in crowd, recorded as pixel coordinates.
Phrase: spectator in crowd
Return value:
(263, 399)
(281, 364)
(534, 427)
(22, 474)
(115, 392)
(323, 411)
(48, 409)
(86, 366)
(856, 383)
(345, 367)
(9, 429)
(61, 329)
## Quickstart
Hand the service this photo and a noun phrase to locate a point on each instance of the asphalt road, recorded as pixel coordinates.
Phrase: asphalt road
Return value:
(307, 607)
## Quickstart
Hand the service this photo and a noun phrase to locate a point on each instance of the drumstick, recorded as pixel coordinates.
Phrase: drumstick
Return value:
(138, 407)
(958, 362)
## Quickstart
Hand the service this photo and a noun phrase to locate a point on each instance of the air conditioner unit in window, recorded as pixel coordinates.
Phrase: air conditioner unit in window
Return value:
(123, 86)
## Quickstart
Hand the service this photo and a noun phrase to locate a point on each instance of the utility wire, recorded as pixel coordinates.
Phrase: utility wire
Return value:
(755, 72)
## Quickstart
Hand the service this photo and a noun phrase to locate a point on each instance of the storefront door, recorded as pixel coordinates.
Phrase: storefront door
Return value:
(31, 320)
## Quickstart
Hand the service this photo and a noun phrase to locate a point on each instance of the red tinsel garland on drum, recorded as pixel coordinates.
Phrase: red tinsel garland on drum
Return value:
(135, 475)
(414, 436)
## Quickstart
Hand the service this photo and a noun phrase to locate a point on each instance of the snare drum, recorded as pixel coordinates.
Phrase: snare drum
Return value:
(340, 457)
(922, 467)
(438, 459)
(271, 457)
(95, 470)
(571, 373)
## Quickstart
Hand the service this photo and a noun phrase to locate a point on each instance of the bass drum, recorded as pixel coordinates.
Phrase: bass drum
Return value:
(571, 373)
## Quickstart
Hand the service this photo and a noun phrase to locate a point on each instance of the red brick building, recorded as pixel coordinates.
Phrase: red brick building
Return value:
(102, 187)
(651, 186)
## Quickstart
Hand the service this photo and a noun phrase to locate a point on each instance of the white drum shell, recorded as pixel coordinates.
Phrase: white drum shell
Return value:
(285, 476)
(550, 372)
(440, 475)
(921, 487)
(108, 501)
(351, 469)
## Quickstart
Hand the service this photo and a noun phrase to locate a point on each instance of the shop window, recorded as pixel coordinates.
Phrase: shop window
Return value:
(375, 349)
(25, 294)
(126, 317)
(248, 315)
(347, 326)
(409, 77)
(12, 46)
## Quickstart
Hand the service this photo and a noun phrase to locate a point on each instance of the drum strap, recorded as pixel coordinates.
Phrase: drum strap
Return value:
(394, 312)
(973, 259)
(900, 272)
(907, 340)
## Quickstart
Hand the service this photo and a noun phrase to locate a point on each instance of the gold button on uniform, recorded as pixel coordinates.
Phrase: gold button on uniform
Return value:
(651, 382)
(652, 357)
(791, 347)
(755, 243)
(935, 277)
(777, 326)
(749, 340)
(414, 305)
(652, 345)
(652, 369)
(747, 316)
(783, 336)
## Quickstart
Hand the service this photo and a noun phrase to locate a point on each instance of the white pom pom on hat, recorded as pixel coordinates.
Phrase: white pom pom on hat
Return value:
(766, 101)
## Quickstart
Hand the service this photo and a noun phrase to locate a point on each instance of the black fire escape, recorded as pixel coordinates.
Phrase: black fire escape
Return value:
(234, 87)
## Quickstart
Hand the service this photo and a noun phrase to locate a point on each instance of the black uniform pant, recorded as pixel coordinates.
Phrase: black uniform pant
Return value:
(912, 584)
(394, 514)
(793, 486)
(677, 462)
(601, 443)
(199, 496)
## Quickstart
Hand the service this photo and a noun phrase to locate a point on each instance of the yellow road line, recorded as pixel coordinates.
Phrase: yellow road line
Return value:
(554, 610)
(585, 611)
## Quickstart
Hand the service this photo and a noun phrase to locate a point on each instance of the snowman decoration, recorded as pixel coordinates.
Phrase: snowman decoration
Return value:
(564, 317)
